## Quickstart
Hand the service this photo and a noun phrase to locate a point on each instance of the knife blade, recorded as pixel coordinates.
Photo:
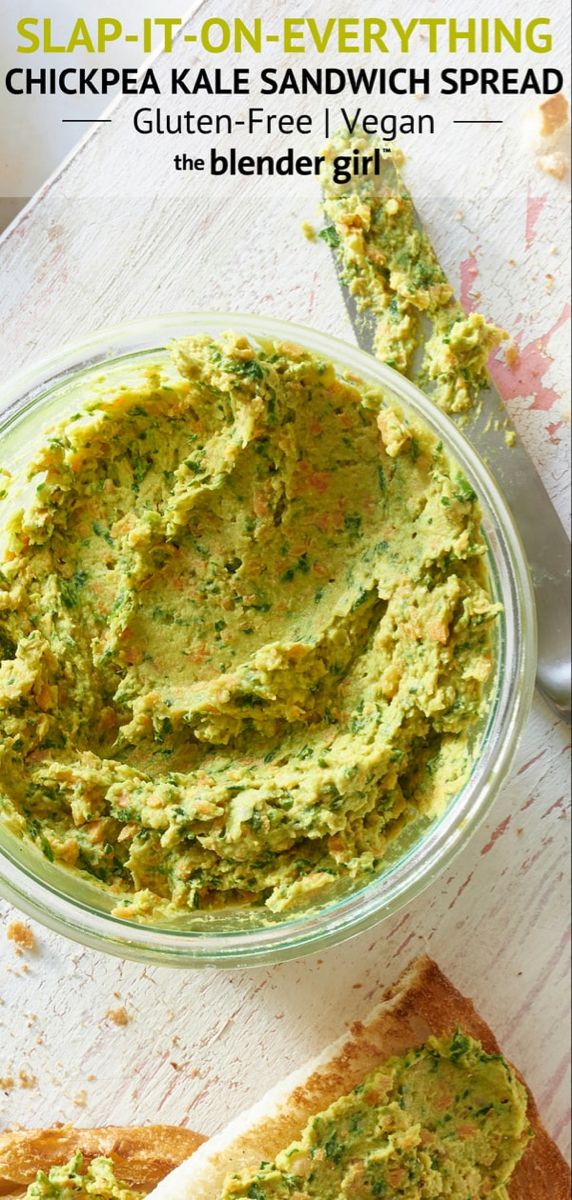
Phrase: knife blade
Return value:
(545, 540)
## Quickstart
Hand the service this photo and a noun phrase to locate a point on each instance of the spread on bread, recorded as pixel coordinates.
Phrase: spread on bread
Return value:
(444, 1120)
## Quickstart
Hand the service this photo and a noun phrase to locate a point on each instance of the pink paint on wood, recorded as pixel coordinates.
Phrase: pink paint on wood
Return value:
(469, 270)
(461, 890)
(558, 804)
(530, 762)
(562, 1124)
(534, 858)
(534, 991)
(403, 921)
(552, 429)
(526, 377)
(497, 833)
(555, 1080)
(534, 206)
(199, 1098)
(406, 942)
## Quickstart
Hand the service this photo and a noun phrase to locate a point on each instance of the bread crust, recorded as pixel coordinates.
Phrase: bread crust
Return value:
(142, 1155)
(420, 1003)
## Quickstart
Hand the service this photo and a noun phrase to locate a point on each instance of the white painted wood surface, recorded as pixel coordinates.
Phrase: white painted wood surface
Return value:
(116, 234)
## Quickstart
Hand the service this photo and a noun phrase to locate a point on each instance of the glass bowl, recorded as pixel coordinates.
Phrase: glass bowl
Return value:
(77, 908)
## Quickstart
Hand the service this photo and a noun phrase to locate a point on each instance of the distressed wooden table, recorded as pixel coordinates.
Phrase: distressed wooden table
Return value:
(117, 234)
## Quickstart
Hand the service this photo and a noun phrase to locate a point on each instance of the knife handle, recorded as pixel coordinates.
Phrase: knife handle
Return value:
(553, 671)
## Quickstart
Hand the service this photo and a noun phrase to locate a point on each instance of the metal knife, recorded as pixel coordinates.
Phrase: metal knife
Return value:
(545, 541)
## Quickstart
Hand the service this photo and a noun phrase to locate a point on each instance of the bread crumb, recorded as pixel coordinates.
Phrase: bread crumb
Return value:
(553, 115)
(556, 164)
(22, 936)
(119, 1016)
(549, 282)
(81, 1099)
(547, 128)
(26, 1079)
(23, 969)
(6, 1083)
(511, 354)
(459, 215)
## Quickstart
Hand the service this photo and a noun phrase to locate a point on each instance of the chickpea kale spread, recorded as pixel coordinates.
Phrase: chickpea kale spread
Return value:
(245, 630)
(392, 271)
(445, 1120)
(76, 1181)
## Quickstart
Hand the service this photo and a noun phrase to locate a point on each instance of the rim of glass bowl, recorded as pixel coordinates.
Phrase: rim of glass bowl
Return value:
(379, 898)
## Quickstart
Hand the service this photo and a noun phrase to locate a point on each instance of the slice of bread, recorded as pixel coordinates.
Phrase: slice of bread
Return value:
(422, 1002)
(142, 1155)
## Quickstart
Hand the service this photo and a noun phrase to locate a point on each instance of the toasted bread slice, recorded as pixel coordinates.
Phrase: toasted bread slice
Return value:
(142, 1155)
(422, 1002)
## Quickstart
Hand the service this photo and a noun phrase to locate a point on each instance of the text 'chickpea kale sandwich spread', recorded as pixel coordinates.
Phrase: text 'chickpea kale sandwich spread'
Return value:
(245, 630)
